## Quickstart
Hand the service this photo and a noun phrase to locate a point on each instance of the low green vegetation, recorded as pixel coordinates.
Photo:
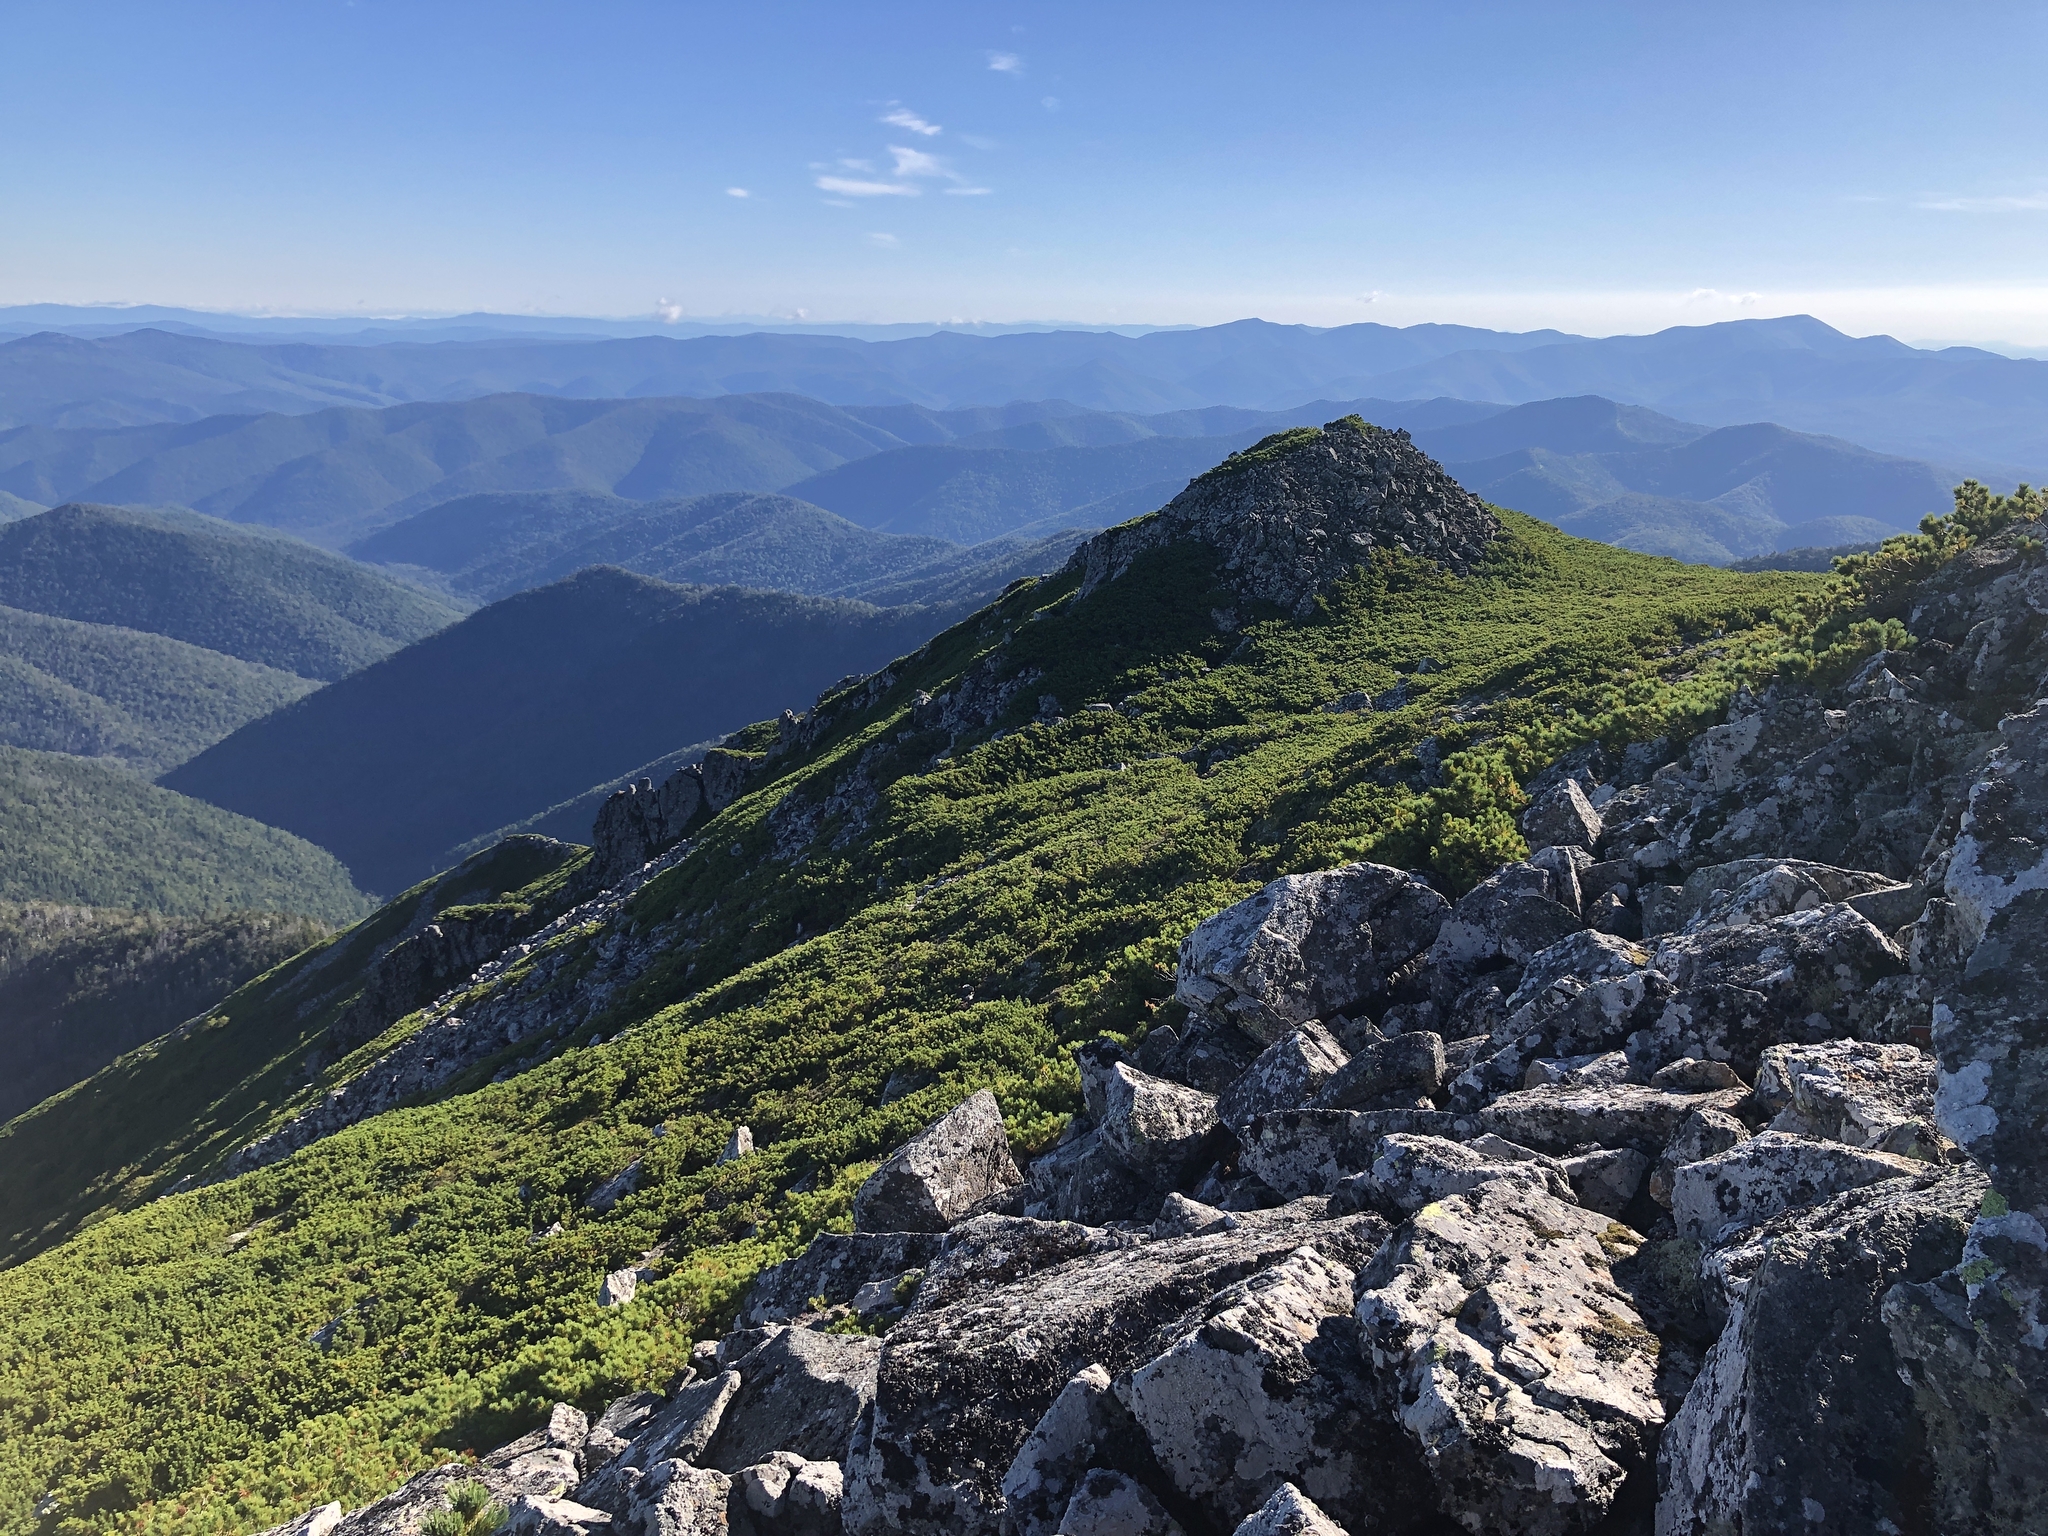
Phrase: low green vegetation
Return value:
(173, 1107)
(137, 700)
(1009, 895)
(83, 834)
(1889, 574)
(79, 985)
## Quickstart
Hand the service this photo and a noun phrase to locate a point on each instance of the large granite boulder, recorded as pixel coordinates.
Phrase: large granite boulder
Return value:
(1527, 1376)
(1307, 947)
(1756, 1179)
(960, 1160)
(800, 1391)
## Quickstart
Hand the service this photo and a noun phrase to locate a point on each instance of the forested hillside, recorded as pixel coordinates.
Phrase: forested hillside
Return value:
(83, 834)
(530, 701)
(245, 592)
(81, 985)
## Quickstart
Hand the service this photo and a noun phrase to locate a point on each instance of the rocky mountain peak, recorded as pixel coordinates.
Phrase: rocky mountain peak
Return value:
(1301, 508)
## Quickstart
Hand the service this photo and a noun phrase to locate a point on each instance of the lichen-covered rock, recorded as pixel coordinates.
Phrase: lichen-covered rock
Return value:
(1562, 818)
(1606, 1181)
(1851, 1091)
(1528, 1378)
(1561, 1120)
(1399, 1072)
(800, 1391)
(1107, 1503)
(1772, 1172)
(1796, 979)
(1232, 1408)
(835, 1267)
(639, 821)
(1799, 1421)
(1286, 1075)
(1085, 1179)
(674, 1498)
(985, 1252)
(1499, 925)
(1581, 998)
(531, 1516)
(1311, 1151)
(1306, 947)
(1413, 1171)
(931, 1181)
(1298, 511)
(1289, 1512)
(1160, 1129)
(961, 1386)
(1705, 1133)
(1085, 1428)
(786, 1496)
(677, 1431)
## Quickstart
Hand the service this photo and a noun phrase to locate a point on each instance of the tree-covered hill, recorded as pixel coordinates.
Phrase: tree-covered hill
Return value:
(81, 985)
(138, 700)
(526, 703)
(246, 592)
(83, 834)
(940, 880)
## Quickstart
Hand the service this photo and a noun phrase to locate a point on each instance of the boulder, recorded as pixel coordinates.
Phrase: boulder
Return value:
(1527, 1377)
(1235, 1405)
(986, 1252)
(1107, 1503)
(1799, 1421)
(1562, 818)
(1289, 1512)
(1500, 924)
(1085, 1179)
(1311, 1151)
(1705, 1133)
(314, 1522)
(1772, 1172)
(1085, 1428)
(1796, 979)
(1203, 1052)
(1400, 1072)
(1580, 998)
(674, 1498)
(1160, 1129)
(1850, 1091)
(835, 1266)
(931, 1181)
(1285, 1076)
(786, 1496)
(800, 1391)
(1306, 947)
(1607, 1182)
(531, 1516)
(677, 1431)
(1413, 1171)
(961, 1386)
(616, 1188)
(1561, 1120)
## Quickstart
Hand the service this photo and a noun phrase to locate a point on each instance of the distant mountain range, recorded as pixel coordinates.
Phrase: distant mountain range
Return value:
(532, 701)
(967, 476)
(1961, 405)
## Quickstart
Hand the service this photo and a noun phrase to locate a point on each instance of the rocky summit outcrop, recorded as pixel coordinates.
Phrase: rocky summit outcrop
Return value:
(1684, 1179)
(1302, 508)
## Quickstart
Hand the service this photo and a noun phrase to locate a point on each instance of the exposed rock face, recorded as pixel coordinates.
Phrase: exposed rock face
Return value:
(1528, 1379)
(934, 1180)
(1306, 947)
(641, 820)
(1301, 509)
(1851, 1091)
(835, 1266)
(1756, 1179)
(800, 1391)
(1799, 1421)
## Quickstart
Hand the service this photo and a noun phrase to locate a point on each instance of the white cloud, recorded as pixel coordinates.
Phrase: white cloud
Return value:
(2036, 202)
(737, 192)
(669, 310)
(967, 191)
(888, 241)
(1006, 63)
(1716, 296)
(847, 187)
(915, 162)
(1050, 103)
(902, 117)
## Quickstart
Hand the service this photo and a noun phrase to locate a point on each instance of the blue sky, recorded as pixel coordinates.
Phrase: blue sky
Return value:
(1598, 168)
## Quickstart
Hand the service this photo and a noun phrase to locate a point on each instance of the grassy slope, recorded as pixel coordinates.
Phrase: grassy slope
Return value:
(1024, 895)
(249, 593)
(78, 832)
(80, 985)
(141, 700)
(178, 1103)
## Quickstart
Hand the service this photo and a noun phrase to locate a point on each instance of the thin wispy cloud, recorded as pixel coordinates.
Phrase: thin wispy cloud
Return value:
(888, 242)
(737, 192)
(1050, 103)
(967, 191)
(915, 162)
(1006, 63)
(847, 186)
(2035, 202)
(902, 117)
